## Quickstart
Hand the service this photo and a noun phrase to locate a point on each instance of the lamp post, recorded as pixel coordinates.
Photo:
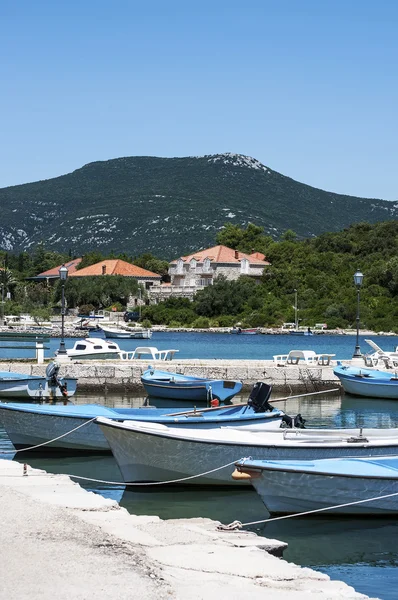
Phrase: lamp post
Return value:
(63, 274)
(358, 278)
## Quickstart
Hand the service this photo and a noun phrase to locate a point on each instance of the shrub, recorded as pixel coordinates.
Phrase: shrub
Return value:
(201, 323)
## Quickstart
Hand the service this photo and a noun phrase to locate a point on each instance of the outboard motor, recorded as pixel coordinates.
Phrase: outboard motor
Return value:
(259, 396)
(52, 378)
(289, 422)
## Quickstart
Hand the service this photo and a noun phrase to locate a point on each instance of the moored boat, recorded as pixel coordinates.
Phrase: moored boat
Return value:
(244, 330)
(126, 334)
(162, 384)
(36, 387)
(156, 452)
(371, 383)
(28, 425)
(294, 486)
(93, 348)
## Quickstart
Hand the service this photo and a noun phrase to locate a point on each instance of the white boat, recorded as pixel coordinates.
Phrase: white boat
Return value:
(294, 486)
(155, 452)
(93, 349)
(126, 334)
(28, 425)
(36, 387)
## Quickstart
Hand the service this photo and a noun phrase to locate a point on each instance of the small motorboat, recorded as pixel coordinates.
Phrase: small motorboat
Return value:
(92, 349)
(29, 425)
(294, 486)
(158, 452)
(36, 387)
(371, 383)
(127, 334)
(244, 331)
(162, 384)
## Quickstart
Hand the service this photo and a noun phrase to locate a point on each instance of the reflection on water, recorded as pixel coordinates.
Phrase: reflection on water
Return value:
(361, 552)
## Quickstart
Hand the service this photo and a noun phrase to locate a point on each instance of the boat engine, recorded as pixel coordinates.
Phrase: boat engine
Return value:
(289, 422)
(52, 378)
(259, 396)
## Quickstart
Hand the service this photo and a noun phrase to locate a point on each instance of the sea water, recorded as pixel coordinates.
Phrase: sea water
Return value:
(223, 345)
(361, 552)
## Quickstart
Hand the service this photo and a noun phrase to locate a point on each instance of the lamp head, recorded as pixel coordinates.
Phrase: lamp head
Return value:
(63, 273)
(358, 278)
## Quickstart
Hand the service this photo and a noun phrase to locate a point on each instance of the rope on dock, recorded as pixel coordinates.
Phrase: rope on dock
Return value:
(49, 441)
(140, 484)
(238, 525)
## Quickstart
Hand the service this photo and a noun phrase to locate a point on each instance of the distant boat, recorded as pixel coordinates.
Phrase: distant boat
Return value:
(244, 331)
(370, 383)
(131, 333)
(295, 486)
(162, 384)
(35, 387)
(94, 348)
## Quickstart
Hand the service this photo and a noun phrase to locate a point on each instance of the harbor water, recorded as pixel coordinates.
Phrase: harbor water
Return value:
(223, 345)
(361, 552)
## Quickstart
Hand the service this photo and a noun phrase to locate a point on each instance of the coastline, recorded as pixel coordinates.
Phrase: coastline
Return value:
(77, 544)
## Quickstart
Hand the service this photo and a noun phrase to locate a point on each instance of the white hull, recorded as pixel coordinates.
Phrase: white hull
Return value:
(29, 429)
(289, 492)
(150, 455)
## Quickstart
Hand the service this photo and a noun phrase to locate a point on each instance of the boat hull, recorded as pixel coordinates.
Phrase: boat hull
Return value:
(144, 455)
(31, 388)
(31, 425)
(368, 383)
(285, 492)
(174, 386)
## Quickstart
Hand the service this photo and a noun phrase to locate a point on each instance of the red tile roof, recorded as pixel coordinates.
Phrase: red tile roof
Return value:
(115, 267)
(71, 266)
(223, 254)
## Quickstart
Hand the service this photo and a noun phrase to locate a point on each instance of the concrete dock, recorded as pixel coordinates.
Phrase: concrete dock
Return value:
(60, 541)
(124, 376)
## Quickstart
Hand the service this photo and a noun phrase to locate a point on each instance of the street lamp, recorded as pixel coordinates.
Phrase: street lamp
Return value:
(63, 274)
(358, 278)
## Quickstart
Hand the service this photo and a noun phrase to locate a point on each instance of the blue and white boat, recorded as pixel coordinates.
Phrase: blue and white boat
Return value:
(371, 383)
(162, 384)
(158, 452)
(28, 425)
(296, 486)
(36, 387)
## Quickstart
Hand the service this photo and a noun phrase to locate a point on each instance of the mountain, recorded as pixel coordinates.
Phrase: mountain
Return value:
(170, 206)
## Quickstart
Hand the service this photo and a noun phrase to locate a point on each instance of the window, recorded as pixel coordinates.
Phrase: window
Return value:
(180, 266)
(244, 265)
(206, 264)
(192, 265)
(81, 347)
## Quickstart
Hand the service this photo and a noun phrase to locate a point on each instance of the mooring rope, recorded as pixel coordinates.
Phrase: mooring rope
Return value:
(49, 441)
(238, 525)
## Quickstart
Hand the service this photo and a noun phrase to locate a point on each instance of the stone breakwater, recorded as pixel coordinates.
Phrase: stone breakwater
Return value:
(62, 541)
(125, 376)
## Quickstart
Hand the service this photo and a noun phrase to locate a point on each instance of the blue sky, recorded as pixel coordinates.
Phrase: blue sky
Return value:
(308, 87)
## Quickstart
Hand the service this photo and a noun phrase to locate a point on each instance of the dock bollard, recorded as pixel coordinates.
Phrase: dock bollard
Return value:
(25, 470)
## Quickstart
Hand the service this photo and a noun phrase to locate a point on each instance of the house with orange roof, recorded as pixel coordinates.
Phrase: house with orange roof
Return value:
(53, 274)
(195, 271)
(119, 267)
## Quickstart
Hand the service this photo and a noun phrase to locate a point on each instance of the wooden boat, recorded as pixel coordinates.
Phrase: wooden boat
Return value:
(35, 387)
(156, 452)
(371, 383)
(162, 384)
(28, 425)
(126, 334)
(294, 486)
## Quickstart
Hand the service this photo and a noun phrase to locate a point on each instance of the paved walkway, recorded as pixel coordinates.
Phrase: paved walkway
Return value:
(60, 541)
